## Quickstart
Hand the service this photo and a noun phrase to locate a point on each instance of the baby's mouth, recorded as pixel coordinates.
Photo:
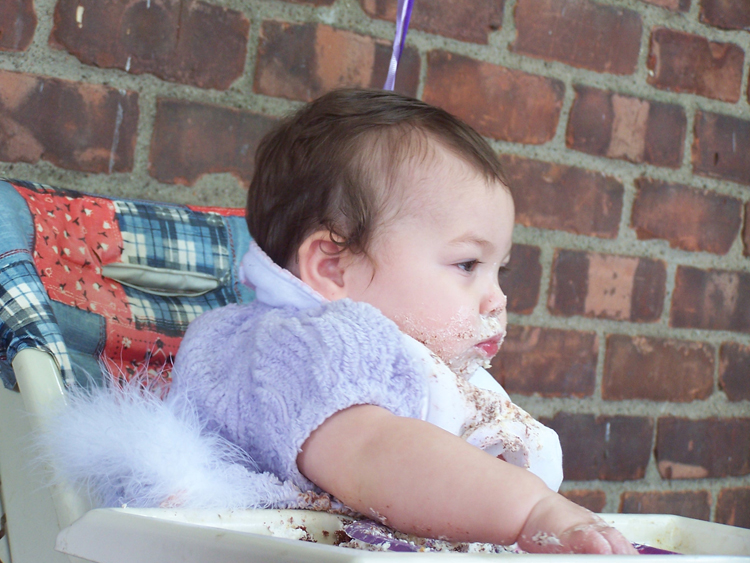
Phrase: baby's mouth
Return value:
(477, 356)
(489, 347)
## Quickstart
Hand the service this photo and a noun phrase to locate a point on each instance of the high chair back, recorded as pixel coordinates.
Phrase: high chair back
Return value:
(87, 280)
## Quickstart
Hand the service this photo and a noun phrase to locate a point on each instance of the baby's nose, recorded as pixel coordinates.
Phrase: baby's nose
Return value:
(494, 302)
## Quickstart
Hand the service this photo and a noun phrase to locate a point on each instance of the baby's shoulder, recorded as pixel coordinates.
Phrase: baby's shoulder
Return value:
(352, 323)
(258, 330)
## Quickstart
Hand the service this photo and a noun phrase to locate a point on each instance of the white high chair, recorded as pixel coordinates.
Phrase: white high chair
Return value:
(47, 334)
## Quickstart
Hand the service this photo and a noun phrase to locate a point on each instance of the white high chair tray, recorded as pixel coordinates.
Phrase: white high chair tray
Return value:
(123, 535)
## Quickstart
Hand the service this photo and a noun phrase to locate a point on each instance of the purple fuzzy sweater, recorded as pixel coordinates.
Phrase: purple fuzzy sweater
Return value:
(265, 377)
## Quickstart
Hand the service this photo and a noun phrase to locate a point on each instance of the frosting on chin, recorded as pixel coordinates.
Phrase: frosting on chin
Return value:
(467, 363)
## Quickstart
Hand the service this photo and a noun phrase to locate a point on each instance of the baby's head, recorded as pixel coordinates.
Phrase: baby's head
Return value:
(385, 199)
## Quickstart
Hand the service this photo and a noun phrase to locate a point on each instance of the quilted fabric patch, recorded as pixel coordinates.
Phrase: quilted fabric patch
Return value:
(76, 234)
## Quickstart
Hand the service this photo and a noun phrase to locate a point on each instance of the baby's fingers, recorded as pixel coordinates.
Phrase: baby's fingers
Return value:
(618, 542)
(596, 538)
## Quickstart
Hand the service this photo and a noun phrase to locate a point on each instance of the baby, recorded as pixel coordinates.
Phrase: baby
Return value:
(380, 227)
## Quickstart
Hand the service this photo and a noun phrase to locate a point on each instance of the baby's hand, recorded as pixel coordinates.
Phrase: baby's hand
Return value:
(557, 525)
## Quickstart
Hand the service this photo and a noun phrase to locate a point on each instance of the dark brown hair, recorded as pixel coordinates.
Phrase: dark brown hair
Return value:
(316, 169)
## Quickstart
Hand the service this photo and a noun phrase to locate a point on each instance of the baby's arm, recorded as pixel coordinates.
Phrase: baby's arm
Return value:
(425, 481)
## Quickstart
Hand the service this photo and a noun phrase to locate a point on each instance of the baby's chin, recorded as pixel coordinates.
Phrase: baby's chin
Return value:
(467, 363)
(475, 357)
(463, 363)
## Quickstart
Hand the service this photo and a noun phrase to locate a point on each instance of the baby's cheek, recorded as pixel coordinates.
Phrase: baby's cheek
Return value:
(445, 339)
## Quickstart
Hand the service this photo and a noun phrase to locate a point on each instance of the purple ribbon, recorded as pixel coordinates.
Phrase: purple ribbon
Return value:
(402, 26)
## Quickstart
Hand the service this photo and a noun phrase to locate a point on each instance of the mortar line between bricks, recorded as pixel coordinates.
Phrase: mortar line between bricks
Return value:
(422, 74)
(652, 470)
(504, 37)
(146, 118)
(546, 258)
(253, 40)
(649, 248)
(624, 232)
(687, 155)
(562, 123)
(546, 405)
(627, 328)
(670, 284)
(717, 370)
(601, 358)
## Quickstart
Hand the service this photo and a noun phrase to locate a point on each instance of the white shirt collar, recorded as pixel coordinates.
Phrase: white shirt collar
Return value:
(274, 285)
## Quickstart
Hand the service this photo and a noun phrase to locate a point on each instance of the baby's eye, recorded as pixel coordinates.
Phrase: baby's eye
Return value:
(468, 266)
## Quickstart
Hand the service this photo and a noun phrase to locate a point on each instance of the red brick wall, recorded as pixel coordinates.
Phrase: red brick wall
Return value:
(624, 127)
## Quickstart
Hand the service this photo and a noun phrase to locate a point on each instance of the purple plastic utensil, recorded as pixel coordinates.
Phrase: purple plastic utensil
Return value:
(648, 550)
(373, 533)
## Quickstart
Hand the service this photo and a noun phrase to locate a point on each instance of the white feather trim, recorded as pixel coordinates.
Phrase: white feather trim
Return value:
(121, 444)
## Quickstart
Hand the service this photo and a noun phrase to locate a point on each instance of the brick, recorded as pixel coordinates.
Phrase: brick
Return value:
(733, 507)
(734, 375)
(564, 198)
(720, 147)
(303, 61)
(606, 286)
(746, 232)
(579, 33)
(711, 299)
(547, 362)
(77, 126)
(682, 62)
(691, 504)
(603, 123)
(674, 5)
(501, 103)
(594, 500)
(522, 280)
(726, 14)
(17, 24)
(698, 449)
(688, 218)
(668, 370)
(166, 38)
(191, 139)
(611, 448)
(465, 21)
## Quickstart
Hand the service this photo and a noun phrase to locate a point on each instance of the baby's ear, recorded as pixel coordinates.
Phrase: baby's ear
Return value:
(321, 266)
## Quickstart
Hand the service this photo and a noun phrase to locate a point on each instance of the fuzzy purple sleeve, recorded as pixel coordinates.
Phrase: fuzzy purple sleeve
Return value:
(265, 378)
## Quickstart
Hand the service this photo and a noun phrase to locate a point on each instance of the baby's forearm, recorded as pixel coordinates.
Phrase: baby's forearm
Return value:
(419, 478)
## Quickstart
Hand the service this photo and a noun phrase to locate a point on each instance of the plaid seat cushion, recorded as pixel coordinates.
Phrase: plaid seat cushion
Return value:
(77, 237)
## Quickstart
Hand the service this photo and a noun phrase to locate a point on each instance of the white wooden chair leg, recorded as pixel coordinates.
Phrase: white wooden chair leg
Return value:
(35, 512)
